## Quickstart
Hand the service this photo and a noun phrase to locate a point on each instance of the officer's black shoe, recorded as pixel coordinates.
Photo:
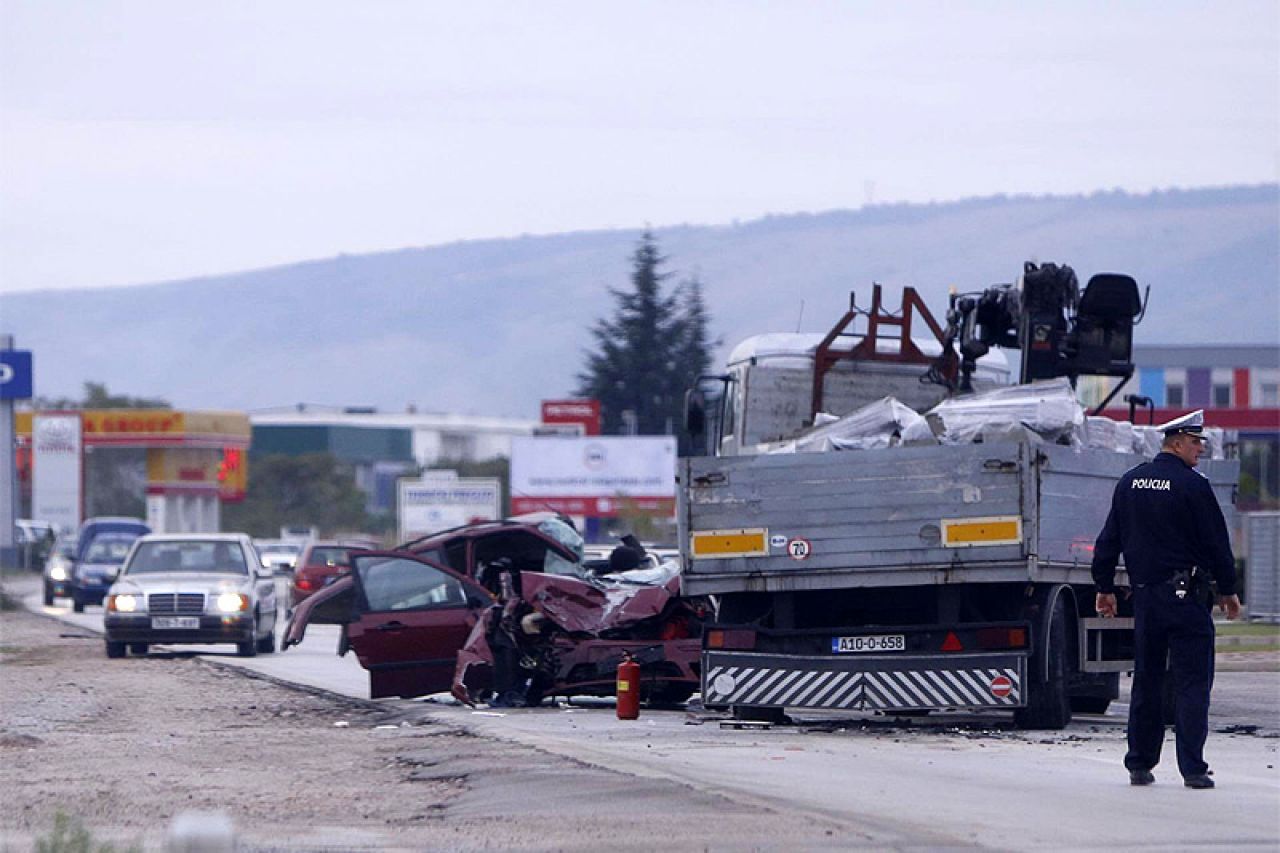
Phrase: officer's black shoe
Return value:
(1141, 777)
(1201, 781)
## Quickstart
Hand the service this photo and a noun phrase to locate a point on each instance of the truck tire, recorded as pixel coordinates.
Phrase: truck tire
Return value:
(760, 714)
(1089, 705)
(1048, 703)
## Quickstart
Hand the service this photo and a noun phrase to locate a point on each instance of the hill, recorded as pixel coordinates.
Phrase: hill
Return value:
(494, 326)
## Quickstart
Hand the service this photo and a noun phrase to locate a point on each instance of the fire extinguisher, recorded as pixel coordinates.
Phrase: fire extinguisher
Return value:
(628, 688)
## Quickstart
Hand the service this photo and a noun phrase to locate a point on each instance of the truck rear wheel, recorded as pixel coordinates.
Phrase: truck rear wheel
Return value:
(760, 714)
(1048, 703)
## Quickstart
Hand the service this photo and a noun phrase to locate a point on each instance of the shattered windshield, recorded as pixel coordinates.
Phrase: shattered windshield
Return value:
(553, 563)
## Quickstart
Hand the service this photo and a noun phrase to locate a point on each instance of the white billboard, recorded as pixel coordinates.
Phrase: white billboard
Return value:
(57, 458)
(431, 505)
(588, 475)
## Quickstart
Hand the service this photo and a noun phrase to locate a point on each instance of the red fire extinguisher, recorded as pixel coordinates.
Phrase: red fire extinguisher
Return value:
(628, 688)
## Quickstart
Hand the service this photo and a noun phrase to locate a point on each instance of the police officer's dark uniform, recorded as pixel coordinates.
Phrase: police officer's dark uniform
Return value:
(1166, 521)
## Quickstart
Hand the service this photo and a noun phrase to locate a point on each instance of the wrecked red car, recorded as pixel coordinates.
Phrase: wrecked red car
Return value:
(536, 542)
(514, 625)
(556, 635)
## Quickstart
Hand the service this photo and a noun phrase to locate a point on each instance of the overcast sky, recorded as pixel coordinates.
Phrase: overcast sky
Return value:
(148, 141)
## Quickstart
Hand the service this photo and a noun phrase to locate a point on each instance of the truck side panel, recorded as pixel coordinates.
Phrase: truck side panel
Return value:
(862, 514)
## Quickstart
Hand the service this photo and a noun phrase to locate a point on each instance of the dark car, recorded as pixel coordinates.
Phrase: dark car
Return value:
(319, 565)
(59, 567)
(102, 545)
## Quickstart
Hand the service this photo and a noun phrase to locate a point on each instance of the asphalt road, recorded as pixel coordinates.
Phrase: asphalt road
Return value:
(942, 781)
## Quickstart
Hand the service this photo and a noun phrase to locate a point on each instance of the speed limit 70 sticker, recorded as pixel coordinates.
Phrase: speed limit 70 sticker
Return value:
(799, 549)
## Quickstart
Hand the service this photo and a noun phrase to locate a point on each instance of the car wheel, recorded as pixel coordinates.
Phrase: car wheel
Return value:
(48, 595)
(139, 648)
(77, 603)
(249, 647)
(115, 650)
(267, 644)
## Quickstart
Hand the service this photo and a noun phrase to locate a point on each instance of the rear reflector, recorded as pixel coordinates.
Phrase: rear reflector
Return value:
(749, 542)
(952, 643)
(733, 638)
(971, 532)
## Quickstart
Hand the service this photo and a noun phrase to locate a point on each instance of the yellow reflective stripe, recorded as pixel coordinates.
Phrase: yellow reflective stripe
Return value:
(1000, 530)
(730, 543)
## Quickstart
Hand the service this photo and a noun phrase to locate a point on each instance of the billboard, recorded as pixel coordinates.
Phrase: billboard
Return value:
(430, 505)
(57, 470)
(594, 475)
(585, 413)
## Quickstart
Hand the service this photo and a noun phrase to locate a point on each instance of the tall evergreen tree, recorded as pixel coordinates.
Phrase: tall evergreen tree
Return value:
(649, 351)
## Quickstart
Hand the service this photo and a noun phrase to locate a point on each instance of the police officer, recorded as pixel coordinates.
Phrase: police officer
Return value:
(1166, 521)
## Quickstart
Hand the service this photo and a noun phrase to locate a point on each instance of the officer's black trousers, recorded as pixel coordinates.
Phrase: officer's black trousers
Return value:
(1181, 632)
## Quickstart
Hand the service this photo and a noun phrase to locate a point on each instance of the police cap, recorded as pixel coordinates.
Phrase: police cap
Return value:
(1192, 424)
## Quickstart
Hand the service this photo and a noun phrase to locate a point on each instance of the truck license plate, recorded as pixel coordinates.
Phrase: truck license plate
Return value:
(161, 623)
(870, 643)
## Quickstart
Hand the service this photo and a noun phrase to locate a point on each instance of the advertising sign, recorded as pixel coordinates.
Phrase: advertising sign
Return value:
(594, 475)
(567, 412)
(430, 505)
(56, 475)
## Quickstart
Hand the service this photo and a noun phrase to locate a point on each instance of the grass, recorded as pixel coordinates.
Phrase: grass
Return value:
(69, 836)
(1248, 629)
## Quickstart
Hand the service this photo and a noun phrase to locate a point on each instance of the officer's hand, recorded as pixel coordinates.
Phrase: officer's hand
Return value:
(1105, 604)
(1230, 605)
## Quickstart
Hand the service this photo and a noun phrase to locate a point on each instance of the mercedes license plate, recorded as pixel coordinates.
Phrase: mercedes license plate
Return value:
(869, 643)
(161, 623)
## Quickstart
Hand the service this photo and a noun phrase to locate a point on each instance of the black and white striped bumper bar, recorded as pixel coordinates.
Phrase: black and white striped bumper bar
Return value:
(986, 680)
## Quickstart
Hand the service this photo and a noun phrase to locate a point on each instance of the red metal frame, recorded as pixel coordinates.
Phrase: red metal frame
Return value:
(824, 357)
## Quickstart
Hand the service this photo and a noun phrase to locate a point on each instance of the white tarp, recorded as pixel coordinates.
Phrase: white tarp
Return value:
(1047, 410)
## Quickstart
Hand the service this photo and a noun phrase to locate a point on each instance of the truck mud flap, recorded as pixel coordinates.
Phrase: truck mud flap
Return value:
(864, 683)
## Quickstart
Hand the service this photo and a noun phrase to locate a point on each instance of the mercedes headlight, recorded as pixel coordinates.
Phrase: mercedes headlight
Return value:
(124, 602)
(232, 602)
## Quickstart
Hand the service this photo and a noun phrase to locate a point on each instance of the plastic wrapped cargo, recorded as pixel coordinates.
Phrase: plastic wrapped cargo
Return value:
(878, 424)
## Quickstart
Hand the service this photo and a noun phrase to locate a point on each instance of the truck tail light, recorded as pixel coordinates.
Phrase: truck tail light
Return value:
(1002, 638)
(731, 638)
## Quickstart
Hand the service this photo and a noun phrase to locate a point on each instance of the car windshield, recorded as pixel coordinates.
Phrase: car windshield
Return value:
(553, 563)
(109, 549)
(279, 550)
(329, 557)
(188, 555)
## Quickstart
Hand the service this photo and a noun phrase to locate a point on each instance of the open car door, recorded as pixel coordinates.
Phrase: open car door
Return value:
(409, 621)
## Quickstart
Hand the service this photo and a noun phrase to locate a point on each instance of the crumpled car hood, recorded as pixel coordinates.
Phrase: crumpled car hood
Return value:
(578, 606)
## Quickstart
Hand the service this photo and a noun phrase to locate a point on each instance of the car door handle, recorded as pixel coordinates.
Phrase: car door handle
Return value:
(391, 626)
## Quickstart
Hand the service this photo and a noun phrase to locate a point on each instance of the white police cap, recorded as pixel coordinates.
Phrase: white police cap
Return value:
(1192, 424)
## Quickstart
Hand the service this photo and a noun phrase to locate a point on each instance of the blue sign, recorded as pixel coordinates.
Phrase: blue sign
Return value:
(15, 374)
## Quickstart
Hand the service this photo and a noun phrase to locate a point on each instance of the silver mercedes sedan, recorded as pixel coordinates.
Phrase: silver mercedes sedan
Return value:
(191, 588)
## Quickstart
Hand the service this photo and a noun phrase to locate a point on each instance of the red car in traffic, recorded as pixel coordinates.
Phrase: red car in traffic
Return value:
(319, 565)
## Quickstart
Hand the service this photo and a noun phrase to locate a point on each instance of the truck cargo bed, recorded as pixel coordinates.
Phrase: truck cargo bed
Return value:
(904, 516)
